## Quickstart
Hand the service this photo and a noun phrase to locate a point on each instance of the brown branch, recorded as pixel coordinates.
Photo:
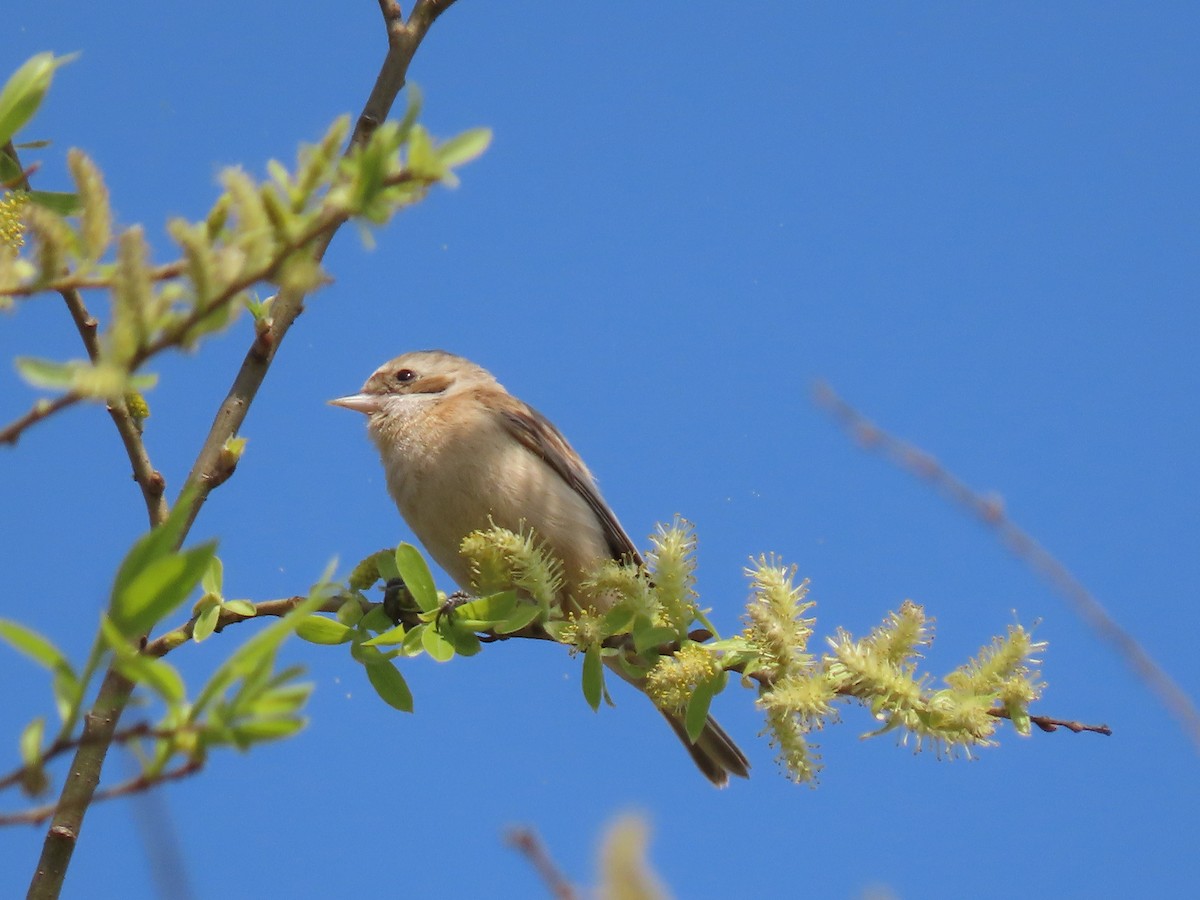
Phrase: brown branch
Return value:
(80, 786)
(1045, 723)
(40, 814)
(526, 842)
(990, 511)
(42, 409)
(62, 745)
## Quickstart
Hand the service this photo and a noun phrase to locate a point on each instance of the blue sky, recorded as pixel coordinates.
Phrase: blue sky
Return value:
(977, 221)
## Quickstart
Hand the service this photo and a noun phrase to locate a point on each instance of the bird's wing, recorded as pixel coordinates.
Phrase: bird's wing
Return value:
(545, 441)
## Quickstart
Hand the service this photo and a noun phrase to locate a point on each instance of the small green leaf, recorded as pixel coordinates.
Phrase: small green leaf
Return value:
(33, 645)
(156, 674)
(241, 607)
(696, 716)
(417, 577)
(255, 732)
(414, 640)
(436, 646)
(68, 694)
(524, 614)
(387, 638)
(390, 685)
(61, 202)
(464, 147)
(492, 608)
(619, 619)
(465, 642)
(322, 630)
(46, 373)
(22, 94)
(375, 620)
(350, 612)
(155, 543)
(214, 576)
(206, 623)
(31, 742)
(593, 677)
(158, 589)
(648, 638)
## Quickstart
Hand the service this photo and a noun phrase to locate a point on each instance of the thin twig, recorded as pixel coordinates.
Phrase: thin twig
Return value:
(39, 814)
(526, 842)
(62, 745)
(990, 511)
(80, 785)
(42, 409)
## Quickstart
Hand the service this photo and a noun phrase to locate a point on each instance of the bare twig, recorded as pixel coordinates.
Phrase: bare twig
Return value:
(80, 786)
(62, 745)
(40, 814)
(526, 842)
(42, 409)
(990, 511)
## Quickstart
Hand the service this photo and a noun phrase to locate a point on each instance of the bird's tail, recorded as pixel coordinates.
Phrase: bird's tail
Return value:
(714, 752)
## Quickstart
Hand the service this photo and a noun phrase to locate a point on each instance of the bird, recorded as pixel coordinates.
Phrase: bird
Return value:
(462, 454)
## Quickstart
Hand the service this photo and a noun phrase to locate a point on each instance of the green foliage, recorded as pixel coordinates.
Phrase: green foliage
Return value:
(257, 232)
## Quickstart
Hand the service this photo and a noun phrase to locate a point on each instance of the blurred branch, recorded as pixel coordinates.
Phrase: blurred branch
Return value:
(526, 842)
(990, 511)
(80, 785)
(40, 814)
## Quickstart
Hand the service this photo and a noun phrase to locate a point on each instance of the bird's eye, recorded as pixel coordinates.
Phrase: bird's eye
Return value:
(404, 376)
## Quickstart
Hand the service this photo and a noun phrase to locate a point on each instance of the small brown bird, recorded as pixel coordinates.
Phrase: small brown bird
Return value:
(462, 453)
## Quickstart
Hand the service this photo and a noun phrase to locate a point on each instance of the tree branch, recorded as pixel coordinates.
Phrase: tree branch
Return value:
(40, 814)
(80, 786)
(526, 842)
(990, 511)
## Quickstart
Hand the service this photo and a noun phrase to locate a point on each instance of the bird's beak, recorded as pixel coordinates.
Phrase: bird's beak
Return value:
(363, 403)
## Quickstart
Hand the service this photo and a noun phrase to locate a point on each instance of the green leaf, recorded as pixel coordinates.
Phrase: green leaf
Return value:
(593, 677)
(206, 622)
(31, 742)
(390, 685)
(417, 577)
(435, 645)
(246, 734)
(46, 373)
(375, 620)
(33, 779)
(323, 630)
(214, 577)
(33, 645)
(464, 147)
(350, 612)
(158, 589)
(68, 694)
(61, 202)
(648, 638)
(465, 642)
(157, 542)
(524, 614)
(156, 674)
(619, 619)
(255, 651)
(387, 638)
(696, 715)
(23, 93)
(492, 608)
(241, 607)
